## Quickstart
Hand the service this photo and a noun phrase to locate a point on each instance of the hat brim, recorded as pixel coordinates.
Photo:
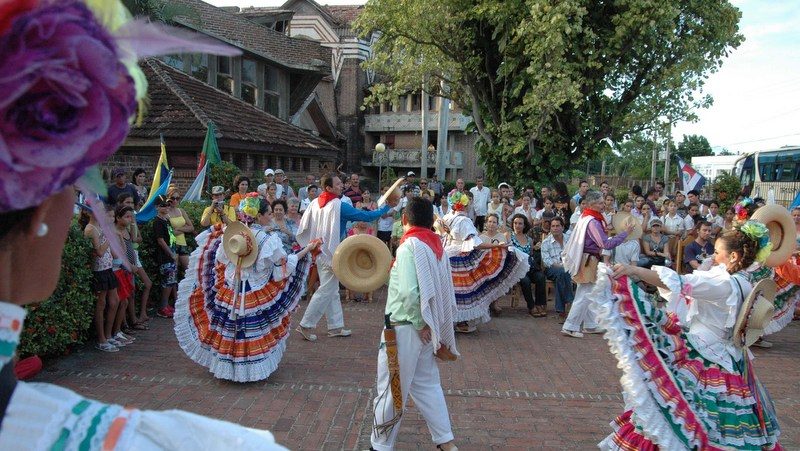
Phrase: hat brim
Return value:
(747, 329)
(361, 263)
(237, 228)
(393, 193)
(618, 222)
(781, 232)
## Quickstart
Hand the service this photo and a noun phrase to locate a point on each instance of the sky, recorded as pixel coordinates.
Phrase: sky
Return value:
(756, 91)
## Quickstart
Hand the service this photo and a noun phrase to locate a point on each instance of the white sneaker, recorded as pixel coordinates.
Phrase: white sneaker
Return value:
(117, 343)
(595, 330)
(127, 339)
(763, 344)
(106, 347)
(571, 333)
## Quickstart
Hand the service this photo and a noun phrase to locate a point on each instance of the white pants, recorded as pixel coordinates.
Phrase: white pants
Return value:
(419, 377)
(580, 311)
(325, 301)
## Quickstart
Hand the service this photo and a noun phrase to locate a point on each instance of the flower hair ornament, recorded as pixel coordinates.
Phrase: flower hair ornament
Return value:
(70, 88)
(457, 200)
(248, 208)
(742, 209)
(759, 233)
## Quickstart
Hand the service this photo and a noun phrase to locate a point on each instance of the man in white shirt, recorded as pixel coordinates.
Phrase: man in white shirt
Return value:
(282, 188)
(716, 220)
(480, 200)
(552, 246)
(302, 193)
(693, 197)
(269, 177)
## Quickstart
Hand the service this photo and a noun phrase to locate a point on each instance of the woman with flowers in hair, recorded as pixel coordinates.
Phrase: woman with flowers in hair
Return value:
(238, 329)
(70, 86)
(482, 272)
(689, 381)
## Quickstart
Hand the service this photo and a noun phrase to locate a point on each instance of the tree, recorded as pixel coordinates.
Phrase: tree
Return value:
(693, 146)
(546, 82)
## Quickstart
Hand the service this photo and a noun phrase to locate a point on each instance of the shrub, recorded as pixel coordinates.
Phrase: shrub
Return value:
(223, 173)
(726, 188)
(65, 318)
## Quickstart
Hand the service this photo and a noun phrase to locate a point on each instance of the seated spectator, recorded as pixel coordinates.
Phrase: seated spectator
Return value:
(672, 222)
(576, 216)
(518, 237)
(552, 246)
(691, 218)
(680, 203)
(716, 219)
(700, 249)
(608, 210)
(693, 197)
(547, 204)
(526, 208)
(219, 212)
(627, 253)
(655, 247)
(491, 232)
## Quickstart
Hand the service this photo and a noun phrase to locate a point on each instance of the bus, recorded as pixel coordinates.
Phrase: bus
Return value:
(776, 170)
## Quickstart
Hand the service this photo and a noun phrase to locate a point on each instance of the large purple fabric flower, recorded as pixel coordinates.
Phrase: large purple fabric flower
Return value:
(65, 101)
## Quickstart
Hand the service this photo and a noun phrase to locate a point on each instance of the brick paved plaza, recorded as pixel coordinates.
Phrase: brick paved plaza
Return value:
(519, 385)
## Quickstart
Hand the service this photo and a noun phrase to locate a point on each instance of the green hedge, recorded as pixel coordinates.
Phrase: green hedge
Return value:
(65, 318)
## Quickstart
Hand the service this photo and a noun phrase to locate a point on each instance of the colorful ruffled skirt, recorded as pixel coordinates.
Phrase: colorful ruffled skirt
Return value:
(786, 299)
(239, 347)
(675, 398)
(482, 276)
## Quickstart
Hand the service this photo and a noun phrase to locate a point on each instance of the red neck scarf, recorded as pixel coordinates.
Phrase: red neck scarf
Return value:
(593, 213)
(326, 197)
(426, 236)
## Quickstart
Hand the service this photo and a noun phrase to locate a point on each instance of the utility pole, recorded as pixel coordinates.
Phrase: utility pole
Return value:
(441, 145)
(423, 150)
(667, 156)
(654, 160)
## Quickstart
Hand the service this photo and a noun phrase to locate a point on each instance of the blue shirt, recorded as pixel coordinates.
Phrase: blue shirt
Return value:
(351, 213)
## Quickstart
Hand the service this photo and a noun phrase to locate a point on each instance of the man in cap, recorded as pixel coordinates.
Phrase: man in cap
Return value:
(326, 219)
(121, 186)
(410, 185)
(269, 177)
(421, 304)
(282, 188)
(219, 212)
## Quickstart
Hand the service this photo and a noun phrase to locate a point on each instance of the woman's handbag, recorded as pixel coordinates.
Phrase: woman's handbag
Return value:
(588, 270)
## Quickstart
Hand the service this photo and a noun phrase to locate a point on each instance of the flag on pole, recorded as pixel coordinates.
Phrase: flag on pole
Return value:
(690, 178)
(148, 210)
(195, 191)
(210, 154)
(162, 170)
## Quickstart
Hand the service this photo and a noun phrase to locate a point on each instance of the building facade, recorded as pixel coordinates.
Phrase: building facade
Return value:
(712, 166)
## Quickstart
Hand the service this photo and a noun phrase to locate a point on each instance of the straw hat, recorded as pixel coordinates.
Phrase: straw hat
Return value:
(361, 263)
(620, 221)
(238, 241)
(393, 193)
(780, 225)
(755, 313)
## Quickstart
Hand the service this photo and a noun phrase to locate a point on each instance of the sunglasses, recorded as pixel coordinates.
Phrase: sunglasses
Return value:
(163, 205)
(174, 198)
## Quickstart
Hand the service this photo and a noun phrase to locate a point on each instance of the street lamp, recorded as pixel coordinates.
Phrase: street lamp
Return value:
(380, 148)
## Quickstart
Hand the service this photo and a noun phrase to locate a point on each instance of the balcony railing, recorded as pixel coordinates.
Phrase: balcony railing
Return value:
(411, 122)
(412, 158)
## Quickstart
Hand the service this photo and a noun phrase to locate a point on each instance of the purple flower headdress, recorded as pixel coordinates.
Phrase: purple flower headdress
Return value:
(69, 90)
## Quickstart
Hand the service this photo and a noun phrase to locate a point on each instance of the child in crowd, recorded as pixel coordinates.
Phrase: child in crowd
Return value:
(166, 257)
(125, 288)
(126, 200)
(104, 285)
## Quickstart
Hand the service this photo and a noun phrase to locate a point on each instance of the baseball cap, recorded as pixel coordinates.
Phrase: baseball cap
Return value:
(269, 172)
(503, 184)
(279, 171)
(410, 174)
(117, 172)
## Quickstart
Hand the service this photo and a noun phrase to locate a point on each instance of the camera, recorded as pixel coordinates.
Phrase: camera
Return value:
(219, 204)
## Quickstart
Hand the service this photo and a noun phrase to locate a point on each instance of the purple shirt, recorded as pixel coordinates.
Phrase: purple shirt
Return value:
(597, 240)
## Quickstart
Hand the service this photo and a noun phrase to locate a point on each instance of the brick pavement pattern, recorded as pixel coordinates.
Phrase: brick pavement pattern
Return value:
(518, 385)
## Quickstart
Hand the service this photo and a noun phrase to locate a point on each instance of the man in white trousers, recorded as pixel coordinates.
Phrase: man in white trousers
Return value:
(421, 305)
(588, 237)
(326, 218)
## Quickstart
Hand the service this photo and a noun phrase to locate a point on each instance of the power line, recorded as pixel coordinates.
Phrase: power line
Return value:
(759, 140)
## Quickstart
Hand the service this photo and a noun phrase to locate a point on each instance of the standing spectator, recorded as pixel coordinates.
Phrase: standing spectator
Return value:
(444, 207)
(526, 209)
(219, 212)
(583, 188)
(181, 225)
(242, 185)
(294, 210)
(547, 204)
(269, 177)
(436, 185)
(120, 186)
(139, 182)
(385, 225)
(480, 195)
(518, 237)
(411, 184)
(495, 206)
(104, 285)
(698, 250)
(608, 210)
(661, 196)
(552, 246)
(544, 193)
(283, 189)
(312, 194)
(680, 200)
(125, 286)
(505, 193)
(650, 199)
(425, 188)
(354, 192)
(716, 220)
(693, 197)
(166, 256)
(283, 226)
(271, 194)
(302, 193)
(136, 237)
(730, 214)
(460, 186)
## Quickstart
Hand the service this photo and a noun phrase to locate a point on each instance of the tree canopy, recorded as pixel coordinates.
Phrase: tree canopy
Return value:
(693, 146)
(547, 81)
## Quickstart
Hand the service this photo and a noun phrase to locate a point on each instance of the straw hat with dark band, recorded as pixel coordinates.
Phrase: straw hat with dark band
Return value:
(238, 241)
(361, 263)
(620, 221)
(755, 313)
(781, 232)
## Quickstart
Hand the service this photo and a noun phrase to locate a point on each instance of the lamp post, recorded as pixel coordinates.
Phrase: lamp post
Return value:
(380, 148)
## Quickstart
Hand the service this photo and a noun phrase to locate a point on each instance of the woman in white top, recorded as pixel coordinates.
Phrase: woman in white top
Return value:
(548, 207)
(673, 223)
(494, 206)
(526, 208)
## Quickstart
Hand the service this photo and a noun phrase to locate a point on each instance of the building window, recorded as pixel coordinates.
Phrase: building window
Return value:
(175, 61)
(415, 101)
(249, 87)
(271, 103)
(240, 160)
(306, 165)
(272, 96)
(388, 141)
(198, 65)
(224, 77)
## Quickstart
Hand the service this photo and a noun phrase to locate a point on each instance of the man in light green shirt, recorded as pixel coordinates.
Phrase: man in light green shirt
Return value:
(421, 306)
